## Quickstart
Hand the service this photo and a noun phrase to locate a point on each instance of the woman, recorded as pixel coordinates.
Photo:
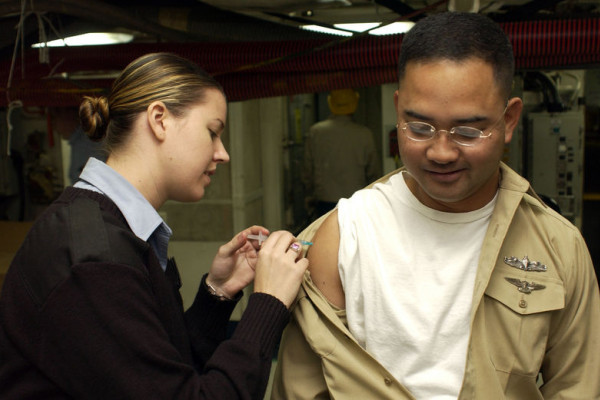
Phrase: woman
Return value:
(91, 308)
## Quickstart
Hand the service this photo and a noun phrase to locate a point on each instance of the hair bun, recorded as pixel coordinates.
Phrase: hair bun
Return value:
(94, 116)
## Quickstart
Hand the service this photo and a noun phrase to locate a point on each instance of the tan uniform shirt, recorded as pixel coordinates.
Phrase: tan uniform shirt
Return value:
(515, 335)
(339, 159)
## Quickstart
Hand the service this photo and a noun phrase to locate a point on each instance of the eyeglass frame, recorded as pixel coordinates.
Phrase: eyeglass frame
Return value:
(451, 132)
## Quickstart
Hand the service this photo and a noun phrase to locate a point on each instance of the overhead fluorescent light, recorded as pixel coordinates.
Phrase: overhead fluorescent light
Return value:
(358, 27)
(89, 39)
(87, 75)
(322, 29)
(393, 28)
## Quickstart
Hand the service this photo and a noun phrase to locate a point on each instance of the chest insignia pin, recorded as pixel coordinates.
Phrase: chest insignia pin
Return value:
(525, 264)
(524, 286)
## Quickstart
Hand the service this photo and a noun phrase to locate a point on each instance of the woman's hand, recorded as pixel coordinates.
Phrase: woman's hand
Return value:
(277, 269)
(233, 267)
(280, 267)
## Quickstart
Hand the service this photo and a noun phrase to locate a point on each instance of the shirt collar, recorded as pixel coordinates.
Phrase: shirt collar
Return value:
(142, 218)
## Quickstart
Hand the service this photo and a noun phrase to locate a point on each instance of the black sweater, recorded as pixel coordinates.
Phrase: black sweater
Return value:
(86, 312)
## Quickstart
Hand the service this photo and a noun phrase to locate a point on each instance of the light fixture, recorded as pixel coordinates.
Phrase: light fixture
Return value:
(322, 29)
(88, 39)
(393, 28)
(358, 27)
(347, 29)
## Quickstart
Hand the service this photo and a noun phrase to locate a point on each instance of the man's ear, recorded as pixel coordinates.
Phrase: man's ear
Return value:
(511, 117)
(157, 114)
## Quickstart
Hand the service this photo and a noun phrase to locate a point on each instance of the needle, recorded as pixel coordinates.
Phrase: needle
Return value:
(261, 238)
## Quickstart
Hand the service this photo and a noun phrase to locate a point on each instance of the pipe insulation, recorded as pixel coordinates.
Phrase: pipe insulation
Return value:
(265, 69)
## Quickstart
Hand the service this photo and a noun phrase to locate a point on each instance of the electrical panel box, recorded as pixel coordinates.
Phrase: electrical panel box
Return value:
(555, 148)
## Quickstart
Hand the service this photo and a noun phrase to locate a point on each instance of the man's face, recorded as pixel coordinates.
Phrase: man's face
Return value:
(443, 174)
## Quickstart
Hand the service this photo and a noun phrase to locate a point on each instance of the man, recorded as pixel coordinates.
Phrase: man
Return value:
(340, 156)
(449, 278)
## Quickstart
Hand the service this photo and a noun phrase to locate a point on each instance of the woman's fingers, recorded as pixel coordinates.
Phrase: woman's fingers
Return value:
(239, 240)
(280, 267)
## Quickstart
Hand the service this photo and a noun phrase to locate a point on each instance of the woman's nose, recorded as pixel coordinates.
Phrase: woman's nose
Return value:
(221, 154)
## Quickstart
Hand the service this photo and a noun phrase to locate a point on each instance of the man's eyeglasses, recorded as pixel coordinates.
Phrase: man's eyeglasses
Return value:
(462, 135)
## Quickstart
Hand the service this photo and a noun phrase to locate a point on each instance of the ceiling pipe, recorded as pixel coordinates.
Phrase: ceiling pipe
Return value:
(265, 69)
(103, 13)
(396, 6)
(526, 10)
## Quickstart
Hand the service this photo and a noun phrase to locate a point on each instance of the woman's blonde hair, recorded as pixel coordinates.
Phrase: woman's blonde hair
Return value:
(166, 77)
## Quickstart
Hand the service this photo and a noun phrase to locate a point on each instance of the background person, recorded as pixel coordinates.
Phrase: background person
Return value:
(90, 308)
(449, 278)
(339, 154)
(66, 122)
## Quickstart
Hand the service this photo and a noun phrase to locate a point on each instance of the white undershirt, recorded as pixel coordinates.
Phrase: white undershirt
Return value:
(408, 273)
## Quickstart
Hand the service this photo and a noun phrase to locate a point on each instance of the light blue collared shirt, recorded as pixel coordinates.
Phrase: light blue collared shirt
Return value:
(143, 219)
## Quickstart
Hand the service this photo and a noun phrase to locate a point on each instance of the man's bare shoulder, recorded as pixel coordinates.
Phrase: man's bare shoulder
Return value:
(323, 260)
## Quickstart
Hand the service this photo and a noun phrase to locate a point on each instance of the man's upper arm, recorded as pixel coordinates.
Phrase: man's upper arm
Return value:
(323, 261)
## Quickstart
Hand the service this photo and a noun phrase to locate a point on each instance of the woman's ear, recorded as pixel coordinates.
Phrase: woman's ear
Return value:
(157, 114)
(511, 117)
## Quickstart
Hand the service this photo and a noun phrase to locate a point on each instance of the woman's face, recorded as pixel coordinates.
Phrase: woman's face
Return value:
(196, 148)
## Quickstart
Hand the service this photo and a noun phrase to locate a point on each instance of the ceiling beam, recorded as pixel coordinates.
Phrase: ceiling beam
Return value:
(396, 6)
(97, 11)
(527, 10)
(301, 20)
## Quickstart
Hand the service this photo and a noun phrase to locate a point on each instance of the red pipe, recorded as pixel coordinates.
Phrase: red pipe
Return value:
(263, 69)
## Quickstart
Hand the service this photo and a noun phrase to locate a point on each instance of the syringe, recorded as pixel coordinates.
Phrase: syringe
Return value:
(261, 238)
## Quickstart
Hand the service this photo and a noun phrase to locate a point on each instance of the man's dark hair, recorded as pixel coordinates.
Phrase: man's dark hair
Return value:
(458, 36)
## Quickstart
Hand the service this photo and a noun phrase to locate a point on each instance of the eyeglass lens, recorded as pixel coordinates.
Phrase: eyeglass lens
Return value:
(421, 131)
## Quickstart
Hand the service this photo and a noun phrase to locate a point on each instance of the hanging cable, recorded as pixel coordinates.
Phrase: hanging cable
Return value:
(43, 51)
(17, 103)
(14, 56)
(573, 99)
